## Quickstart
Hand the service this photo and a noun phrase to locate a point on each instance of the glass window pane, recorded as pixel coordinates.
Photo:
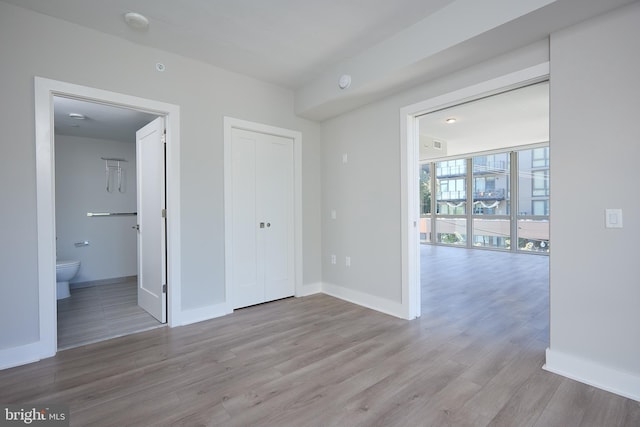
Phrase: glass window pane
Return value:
(425, 230)
(451, 191)
(491, 184)
(492, 233)
(540, 157)
(533, 235)
(533, 182)
(425, 189)
(451, 231)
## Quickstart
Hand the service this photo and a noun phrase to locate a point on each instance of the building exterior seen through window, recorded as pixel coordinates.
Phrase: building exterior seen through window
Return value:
(498, 201)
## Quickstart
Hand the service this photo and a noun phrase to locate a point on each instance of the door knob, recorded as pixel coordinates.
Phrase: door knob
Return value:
(262, 225)
(268, 224)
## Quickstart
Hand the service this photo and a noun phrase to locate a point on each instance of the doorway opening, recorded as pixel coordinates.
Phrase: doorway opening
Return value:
(410, 167)
(484, 173)
(97, 223)
(114, 178)
(484, 216)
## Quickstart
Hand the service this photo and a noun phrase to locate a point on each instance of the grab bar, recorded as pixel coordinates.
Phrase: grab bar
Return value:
(111, 213)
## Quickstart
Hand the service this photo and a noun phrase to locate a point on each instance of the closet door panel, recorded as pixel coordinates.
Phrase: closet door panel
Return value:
(248, 285)
(275, 204)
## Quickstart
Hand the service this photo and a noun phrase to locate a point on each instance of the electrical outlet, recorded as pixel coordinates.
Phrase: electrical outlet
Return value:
(333, 259)
(347, 261)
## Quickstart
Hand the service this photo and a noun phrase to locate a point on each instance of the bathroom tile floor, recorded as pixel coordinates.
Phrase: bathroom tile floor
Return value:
(101, 312)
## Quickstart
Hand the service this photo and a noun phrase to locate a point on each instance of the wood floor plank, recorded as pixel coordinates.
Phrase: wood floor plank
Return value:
(473, 359)
(101, 312)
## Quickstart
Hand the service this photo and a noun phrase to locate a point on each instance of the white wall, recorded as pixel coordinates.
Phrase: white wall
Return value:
(81, 188)
(365, 192)
(595, 135)
(37, 45)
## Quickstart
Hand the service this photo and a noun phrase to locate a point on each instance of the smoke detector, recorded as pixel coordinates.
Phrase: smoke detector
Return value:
(136, 21)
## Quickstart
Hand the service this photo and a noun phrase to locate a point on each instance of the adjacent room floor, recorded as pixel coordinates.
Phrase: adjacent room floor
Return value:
(101, 312)
(474, 358)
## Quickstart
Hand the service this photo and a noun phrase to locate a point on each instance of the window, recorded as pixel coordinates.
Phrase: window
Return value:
(540, 157)
(451, 168)
(489, 221)
(533, 200)
(540, 182)
(425, 202)
(425, 189)
(540, 207)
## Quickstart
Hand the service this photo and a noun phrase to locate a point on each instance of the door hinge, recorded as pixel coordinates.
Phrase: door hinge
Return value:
(164, 288)
(164, 137)
(164, 213)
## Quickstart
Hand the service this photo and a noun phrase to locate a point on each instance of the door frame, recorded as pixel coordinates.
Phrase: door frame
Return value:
(45, 90)
(233, 123)
(409, 161)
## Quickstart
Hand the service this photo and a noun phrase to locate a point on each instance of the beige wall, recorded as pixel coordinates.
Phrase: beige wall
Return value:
(36, 45)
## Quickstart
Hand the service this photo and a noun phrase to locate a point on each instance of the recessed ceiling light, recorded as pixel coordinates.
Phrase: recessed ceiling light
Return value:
(136, 21)
(77, 116)
(450, 120)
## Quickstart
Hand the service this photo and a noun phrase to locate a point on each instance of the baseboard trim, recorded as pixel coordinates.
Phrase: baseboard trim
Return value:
(100, 282)
(21, 355)
(310, 289)
(366, 300)
(622, 383)
(201, 314)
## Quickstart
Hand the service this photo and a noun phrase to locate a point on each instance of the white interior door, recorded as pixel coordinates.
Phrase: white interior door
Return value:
(150, 164)
(262, 218)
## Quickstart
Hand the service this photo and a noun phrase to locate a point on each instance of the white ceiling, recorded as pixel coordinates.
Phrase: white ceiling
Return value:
(286, 42)
(101, 121)
(305, 45)
(508, 119)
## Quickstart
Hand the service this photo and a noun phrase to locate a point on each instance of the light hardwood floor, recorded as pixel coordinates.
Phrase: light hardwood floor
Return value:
(473, 359)
(101, 312)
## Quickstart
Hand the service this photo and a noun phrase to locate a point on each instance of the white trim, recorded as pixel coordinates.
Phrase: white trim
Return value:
(45, 89)
(201, 314)
(310, 289)
(21, 355)
(592, 373)
(409, 159)
(232, 123)
(382, 305)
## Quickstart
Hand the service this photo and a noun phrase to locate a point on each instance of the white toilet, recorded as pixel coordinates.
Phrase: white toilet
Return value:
(65, 271)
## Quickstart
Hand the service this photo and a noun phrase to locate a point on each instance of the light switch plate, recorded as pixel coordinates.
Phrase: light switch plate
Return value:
(613, 218)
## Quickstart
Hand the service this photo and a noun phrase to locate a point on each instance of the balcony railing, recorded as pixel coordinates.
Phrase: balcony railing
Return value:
(454, 196)
(450, 196)
(497, 194)
(498, 166)
(449, 171)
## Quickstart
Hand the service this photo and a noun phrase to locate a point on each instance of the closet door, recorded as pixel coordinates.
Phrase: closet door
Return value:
(262, 218)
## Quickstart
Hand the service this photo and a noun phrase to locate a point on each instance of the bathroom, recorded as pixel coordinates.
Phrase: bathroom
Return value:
(96, 222)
